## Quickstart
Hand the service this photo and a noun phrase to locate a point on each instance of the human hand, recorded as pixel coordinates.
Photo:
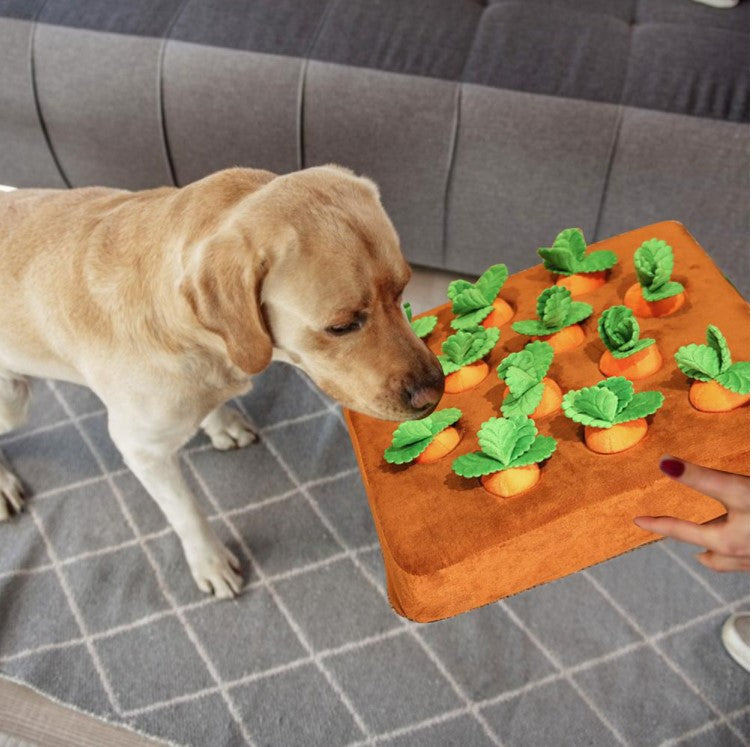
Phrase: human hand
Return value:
(726, 538)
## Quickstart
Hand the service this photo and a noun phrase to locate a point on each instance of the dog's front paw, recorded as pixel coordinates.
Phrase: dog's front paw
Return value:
(11, 494)
(215, 569)
(228, 429)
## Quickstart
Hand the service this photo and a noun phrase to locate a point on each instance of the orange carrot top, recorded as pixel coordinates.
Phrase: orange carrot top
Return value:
(524, 373)
(506, 443)
(653, 262)
(411, 438)
(472, 302)
(610, 402)
(467, 346)
(556, 311)
(567, 255)
(713, 362)
(619, 331)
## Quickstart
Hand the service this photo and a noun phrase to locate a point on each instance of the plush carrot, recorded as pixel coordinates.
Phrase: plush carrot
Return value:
(461, 357)
(612, 413)
(655, 295)
(478, 303)
(510, 451)
(529, 391)
(425, 441)
(579, 272)
(423, 326)
(720, 385)
(558, 319)
(626, 354)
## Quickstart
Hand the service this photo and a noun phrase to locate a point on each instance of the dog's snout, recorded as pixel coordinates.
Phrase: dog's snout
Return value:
(426, 393)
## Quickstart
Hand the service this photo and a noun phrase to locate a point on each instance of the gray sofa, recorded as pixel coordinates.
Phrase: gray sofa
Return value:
(489, 126)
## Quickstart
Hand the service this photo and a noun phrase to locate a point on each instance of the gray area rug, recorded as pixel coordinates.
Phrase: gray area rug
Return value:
(98, 610)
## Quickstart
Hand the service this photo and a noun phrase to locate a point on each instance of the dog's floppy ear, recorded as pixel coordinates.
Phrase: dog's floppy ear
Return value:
(222, 284)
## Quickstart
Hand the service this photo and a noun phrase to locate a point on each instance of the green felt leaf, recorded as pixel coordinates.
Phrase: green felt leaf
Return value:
(577, 312)
(671, 288)
(407, 453)
(466, 347)
(531, 327)
(468, 300)
(555, 310)
(424, 325)
(621, 387)
(735, 377)
(568, 255)
(413, 436)
(523, 373)
(592, 405)
(523, 403)
(469, 297)
(492, 280)
(716, 340)
(439, 420)
(619, 331)
(542, 355)
(505, 439)
(552, 306)
(610, 402)
(558, 260)
(411, 432)
(458, 286)
(471, 319)
(602, 259)
(521, 379)
(573, 240)
(542, 448)
(641, 405)
(698, 361)
(476, 464)
(653, 261)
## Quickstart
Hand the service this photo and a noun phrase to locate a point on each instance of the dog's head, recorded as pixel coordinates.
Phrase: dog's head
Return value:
(317, 280)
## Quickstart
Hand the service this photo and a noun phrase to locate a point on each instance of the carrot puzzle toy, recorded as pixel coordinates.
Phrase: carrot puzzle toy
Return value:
(425, 441)
(510, 451)
(559, 318)
(721, 385)
(461, 357)
(655, 295)
(478, 303)
(529, 390)
(423, 326)
(626, 355)
(612, 413)
(580, 272)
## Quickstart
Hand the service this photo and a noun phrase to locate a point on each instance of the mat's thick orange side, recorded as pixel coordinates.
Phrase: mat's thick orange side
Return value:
(449, 546)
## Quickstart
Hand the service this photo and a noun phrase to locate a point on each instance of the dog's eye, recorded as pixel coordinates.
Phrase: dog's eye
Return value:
(344, 329)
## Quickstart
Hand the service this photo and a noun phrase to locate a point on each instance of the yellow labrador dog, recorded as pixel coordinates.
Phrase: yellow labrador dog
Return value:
(164, 302)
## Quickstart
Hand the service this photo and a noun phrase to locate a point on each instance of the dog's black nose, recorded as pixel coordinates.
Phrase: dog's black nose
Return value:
(425, 394)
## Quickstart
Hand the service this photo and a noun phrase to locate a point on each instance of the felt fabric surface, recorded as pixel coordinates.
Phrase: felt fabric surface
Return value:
(450, 546)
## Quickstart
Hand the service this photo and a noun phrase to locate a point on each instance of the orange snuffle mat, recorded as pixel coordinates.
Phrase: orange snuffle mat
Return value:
(449, 545)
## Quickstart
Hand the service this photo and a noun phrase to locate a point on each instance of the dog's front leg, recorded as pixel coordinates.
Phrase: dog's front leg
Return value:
(155, 464)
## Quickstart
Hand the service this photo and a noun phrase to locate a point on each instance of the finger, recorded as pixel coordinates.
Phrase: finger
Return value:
(723, 563)
(685, 531)
(726, 487)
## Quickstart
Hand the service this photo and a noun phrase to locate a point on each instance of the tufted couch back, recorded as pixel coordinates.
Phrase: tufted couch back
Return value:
(489, 126)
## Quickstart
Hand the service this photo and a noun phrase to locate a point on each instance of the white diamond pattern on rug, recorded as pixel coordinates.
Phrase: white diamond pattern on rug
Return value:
(93, 583)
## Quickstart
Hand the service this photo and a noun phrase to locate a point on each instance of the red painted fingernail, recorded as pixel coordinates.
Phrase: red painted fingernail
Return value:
(672, 467)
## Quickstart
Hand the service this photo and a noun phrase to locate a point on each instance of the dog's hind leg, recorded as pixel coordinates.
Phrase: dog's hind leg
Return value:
(14, 403)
